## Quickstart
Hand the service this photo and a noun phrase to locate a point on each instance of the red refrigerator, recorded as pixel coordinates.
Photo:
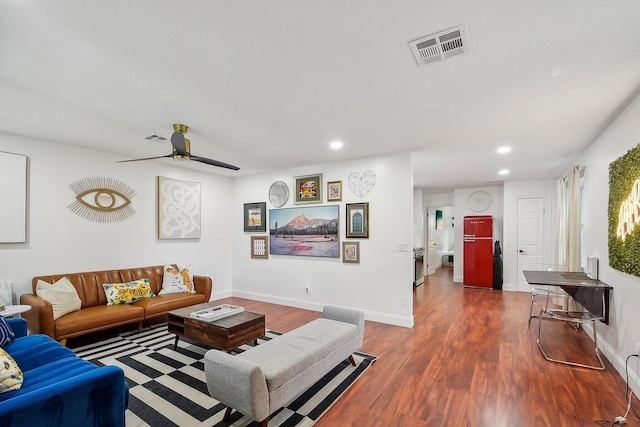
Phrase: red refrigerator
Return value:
(478, 251)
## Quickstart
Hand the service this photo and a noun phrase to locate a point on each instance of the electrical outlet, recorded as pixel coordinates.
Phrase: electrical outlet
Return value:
(404, 301)
(638, 348)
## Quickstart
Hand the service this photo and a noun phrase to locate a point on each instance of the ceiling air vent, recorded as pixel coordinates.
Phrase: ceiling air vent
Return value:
(157, 138)
(440, 46)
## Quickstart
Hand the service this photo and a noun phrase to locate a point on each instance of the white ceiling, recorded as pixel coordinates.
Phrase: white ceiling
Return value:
(266, 85)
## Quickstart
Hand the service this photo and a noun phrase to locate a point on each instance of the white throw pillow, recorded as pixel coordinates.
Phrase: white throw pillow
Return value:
(177, 282)
(62, 296)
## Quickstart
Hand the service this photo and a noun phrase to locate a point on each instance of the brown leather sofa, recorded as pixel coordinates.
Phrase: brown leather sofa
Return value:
(95, 314)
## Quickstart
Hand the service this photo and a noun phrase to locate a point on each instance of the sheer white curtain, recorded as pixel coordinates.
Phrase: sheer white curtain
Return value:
(569, 239)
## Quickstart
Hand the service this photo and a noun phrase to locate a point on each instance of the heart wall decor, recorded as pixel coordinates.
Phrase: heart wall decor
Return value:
(361, 185)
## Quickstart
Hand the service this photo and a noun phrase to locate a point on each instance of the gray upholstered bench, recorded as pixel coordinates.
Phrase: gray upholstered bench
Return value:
(267, 377)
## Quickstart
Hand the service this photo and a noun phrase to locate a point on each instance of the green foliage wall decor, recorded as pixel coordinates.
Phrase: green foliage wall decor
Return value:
(624, 212)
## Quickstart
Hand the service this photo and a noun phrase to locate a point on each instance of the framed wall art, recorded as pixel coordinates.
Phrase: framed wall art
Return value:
(260, 247)
(334, 191)
(178, 209)
(351, 252)
(255, 217)
(13, 188)
(305, 231)
(439, 220)
(358, 220)
(308, 189)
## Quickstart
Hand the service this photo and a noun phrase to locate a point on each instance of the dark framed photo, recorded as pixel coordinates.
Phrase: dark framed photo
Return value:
(255, 217)
(358, 220)
(351, 252)
(260, 247)
(308, 189)
(334, 191)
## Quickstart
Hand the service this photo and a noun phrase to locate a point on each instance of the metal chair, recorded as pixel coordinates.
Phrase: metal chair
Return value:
(591, 290)
(545, 291)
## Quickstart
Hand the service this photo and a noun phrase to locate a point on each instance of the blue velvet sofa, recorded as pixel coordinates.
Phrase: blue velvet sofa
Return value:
(60, 389)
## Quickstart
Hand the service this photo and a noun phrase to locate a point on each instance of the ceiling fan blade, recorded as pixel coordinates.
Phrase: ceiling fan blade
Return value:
(178, 142)
(214, 163)
(146, 158)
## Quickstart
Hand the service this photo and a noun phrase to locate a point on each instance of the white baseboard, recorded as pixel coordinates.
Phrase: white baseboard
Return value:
(374, 316)
(617, 361)
(509, 287)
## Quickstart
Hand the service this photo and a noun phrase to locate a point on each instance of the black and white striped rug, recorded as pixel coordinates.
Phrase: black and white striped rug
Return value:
(168, 388)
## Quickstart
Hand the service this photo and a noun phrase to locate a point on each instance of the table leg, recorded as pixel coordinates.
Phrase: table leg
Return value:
(175, 344)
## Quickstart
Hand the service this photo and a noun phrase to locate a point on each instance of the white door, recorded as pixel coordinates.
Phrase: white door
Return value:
(430, 245)
(531, 232)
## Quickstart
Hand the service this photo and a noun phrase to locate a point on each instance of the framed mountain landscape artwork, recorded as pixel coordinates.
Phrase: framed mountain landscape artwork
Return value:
(308, 231)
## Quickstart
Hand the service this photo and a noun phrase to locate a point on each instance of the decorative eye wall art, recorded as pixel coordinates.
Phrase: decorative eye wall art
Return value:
(102, 199)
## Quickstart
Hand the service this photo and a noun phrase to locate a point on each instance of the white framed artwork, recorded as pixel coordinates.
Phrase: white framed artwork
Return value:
(13, 193)
(178, 209)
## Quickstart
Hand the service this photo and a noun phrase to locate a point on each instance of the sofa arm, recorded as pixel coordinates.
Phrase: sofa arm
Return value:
(40, 317)
(203, 285)
(237, 383)
(348, 315)
(96, 398)
(18, 326)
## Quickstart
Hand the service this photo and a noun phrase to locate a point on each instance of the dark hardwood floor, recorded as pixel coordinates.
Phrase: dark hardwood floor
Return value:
(470, 360)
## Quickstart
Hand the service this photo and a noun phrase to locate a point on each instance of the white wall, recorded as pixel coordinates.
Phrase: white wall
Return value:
(462, 209)
(384, 277)
(618, 339)
(59, 241)
(418, 220)
(513, 191)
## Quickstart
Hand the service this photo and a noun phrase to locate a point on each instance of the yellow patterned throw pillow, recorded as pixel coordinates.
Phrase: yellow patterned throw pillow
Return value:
(10, 374)
(177, 281)
(126, 293)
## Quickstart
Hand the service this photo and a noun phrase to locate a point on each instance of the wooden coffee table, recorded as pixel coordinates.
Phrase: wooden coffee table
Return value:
(225, 334)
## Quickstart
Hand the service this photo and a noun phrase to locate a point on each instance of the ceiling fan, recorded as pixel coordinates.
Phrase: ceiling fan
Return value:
(182, 150)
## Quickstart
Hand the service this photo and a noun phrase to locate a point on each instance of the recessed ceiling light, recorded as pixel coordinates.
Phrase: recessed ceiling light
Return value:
(504, 172)
(336, 145)
(503, 150)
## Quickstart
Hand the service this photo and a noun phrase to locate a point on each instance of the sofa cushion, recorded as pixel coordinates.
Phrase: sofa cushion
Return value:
(286, 356)
(33, 351)
(126, 293)
(6, 333)
(10, 374)
(164, 303)
(97, 318)
(62, 296)
(177, 282)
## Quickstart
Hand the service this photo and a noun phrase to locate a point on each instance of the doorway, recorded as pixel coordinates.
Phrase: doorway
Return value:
(439, 238)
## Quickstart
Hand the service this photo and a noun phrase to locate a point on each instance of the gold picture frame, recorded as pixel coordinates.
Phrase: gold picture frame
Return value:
(260, 247)
(357, 220)
(334, 191)
(351, 252)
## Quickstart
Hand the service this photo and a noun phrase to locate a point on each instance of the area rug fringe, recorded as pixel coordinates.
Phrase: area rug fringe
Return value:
(168, 388)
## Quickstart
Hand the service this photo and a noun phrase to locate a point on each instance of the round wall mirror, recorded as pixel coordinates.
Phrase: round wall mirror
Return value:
(278, 194)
